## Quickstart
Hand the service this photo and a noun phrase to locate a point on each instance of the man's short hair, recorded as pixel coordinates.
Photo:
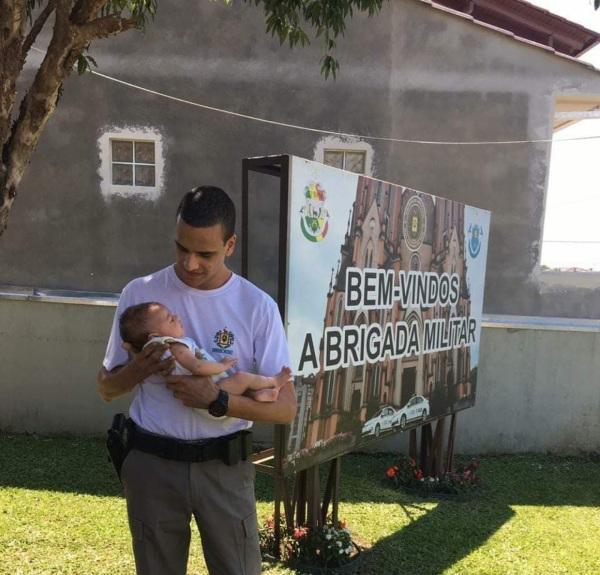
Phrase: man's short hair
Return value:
(133, 324)
(207, 206)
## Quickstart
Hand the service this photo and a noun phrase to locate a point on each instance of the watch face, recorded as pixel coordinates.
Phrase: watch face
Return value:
(218, 408)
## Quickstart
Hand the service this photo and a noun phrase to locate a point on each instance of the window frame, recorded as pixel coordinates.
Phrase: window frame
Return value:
(338, 144)
(105, 171)
(344, 154)
(133, 162)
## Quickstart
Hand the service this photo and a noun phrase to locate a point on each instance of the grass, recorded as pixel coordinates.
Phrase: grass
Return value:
(61, 512)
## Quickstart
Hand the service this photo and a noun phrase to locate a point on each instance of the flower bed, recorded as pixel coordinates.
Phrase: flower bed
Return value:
(326, 549)
(406, 474)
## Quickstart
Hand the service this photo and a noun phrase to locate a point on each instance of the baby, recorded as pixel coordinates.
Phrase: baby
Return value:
(150, 322)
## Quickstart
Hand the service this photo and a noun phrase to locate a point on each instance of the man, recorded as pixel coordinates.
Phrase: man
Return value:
(185, 433)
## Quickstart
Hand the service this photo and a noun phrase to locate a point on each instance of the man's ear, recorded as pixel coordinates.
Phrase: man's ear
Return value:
(230, 245)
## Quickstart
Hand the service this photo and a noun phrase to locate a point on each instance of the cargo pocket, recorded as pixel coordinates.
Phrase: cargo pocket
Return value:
(250, 546)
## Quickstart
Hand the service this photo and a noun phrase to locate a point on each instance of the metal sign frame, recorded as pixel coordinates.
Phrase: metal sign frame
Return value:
(299, 489)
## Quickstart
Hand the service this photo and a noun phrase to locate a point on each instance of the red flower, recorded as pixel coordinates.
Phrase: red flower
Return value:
(391, 472)
(419, 474)
(299, 532)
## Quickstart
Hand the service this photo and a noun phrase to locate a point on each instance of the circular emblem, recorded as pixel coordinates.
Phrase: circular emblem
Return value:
(475, 232)
(414, 223)
(314, 216)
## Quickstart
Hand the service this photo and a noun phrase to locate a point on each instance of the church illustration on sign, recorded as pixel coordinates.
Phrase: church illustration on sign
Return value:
(391, 228)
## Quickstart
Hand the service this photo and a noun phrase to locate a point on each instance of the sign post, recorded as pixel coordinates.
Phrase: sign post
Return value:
(380, 288)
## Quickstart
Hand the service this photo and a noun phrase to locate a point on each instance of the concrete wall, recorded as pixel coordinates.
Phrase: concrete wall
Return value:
(51, 353)
(413, 72)
(538, 389)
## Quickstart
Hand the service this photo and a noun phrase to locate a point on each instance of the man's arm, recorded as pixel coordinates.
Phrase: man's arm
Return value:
(122, 379)
(199, 392)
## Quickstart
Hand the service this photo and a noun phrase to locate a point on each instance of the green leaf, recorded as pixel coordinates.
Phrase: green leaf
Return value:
(287, 19)
(82, 64)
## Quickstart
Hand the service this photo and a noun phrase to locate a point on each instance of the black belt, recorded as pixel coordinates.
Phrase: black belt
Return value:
(230, 448)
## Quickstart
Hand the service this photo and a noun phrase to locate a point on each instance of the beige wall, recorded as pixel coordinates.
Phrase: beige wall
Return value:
(51, 353)
(538, 388)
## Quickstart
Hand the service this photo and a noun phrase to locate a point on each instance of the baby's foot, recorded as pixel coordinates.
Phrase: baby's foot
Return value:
(269, 394)
(282, 377)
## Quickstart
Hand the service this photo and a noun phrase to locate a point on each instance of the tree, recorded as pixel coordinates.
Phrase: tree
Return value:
(78, 23)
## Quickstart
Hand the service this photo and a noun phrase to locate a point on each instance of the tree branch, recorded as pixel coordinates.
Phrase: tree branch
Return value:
(103, 27)
(37, 28)
(39, 102)
(87, 10)
(13, 16)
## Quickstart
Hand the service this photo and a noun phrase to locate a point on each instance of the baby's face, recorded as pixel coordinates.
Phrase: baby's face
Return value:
(164, 323)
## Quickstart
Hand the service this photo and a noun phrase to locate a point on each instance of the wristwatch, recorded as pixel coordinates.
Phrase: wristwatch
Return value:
(218, 407)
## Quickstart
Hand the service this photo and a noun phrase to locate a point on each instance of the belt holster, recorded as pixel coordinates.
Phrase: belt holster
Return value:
(117, 442)
(238, 447)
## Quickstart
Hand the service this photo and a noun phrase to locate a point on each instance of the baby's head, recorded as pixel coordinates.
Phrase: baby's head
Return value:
(138, 323)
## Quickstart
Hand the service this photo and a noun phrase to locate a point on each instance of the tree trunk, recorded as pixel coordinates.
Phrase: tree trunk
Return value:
(72, 34)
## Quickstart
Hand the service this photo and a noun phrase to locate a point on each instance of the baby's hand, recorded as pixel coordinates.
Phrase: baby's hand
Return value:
(229, 362)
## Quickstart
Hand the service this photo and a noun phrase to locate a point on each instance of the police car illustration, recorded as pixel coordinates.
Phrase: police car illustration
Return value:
(381, 421)
(416, 409)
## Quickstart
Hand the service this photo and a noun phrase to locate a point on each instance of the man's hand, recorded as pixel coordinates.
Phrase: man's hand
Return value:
(193, 390)
(122, 379)
(148, 361)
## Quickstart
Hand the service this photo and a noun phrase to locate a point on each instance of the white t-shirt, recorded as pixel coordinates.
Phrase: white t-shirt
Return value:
(237, 319)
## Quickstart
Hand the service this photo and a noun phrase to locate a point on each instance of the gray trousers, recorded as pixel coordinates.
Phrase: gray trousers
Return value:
(163, 495)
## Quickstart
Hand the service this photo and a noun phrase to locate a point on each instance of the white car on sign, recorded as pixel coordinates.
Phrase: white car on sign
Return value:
(417, 409)
(381, 421)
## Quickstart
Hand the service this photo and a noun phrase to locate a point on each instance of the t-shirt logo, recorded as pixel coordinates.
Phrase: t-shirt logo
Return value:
(224, 339)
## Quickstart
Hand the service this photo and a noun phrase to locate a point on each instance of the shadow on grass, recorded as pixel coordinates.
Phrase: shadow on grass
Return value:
(437, 540)
(434, 540)
(57, 464)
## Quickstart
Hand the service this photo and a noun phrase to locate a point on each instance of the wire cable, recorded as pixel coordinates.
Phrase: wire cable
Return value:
(327, 132)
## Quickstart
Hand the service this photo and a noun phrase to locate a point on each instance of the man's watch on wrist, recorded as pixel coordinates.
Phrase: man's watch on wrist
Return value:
(218, 407)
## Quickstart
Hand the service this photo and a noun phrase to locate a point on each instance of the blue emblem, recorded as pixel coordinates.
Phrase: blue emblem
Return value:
(224, 340)
(475, 232)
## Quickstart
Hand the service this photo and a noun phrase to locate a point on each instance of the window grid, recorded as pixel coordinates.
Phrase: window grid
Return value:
(350, 160)
(133, 163)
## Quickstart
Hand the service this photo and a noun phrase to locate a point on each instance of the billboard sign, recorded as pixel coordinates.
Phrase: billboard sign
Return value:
(383, 309)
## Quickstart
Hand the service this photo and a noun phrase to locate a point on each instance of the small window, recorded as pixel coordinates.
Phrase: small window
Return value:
(349, 160)
(133, 163)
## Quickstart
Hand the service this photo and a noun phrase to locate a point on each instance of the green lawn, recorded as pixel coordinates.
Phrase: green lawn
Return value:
(61, 511)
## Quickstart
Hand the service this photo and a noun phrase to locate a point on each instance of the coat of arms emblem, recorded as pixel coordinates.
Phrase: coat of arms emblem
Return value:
(476, 232)
(224, 338)
(314, 219)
